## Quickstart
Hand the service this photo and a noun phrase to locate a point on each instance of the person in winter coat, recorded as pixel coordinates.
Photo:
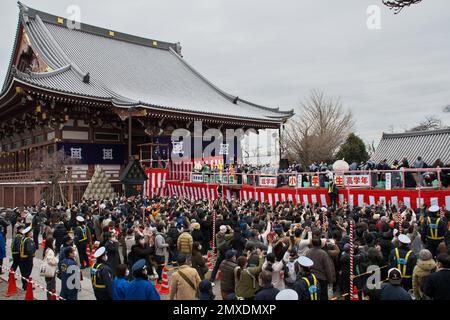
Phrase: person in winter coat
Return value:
(141, 288)
(185, 281)
(205, 291)
(227, 280)
(160, 249)
(59, 233)
(112, 250)
(172, 238)
(184, 244)
(268, 291)
(425, 266)
(198, 262)
(323, 266)
(359, 267)
(246, 278)
(68, 269)
(50, 262)
(393, 289)
(120, 282)
(140, 250)
(276, 267)
(438, 283)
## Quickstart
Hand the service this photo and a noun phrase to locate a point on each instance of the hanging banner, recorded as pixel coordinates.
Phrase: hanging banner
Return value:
(299, 181)
(315, 181)
(339, 180)
(292, 181)
(388, 176)
(361, 180)
(268, 181)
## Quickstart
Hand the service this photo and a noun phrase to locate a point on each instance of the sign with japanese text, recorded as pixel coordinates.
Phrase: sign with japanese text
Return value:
(292, 181)
(388, 181)
(339, 180)
(315, 181)
(361, 180)
(268, 181)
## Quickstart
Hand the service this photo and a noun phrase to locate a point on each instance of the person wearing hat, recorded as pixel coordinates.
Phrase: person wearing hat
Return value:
(438, 283)
(307, 285)
(433, 230)
(15, 247)
(68, 272)
(287, 294)
(81, 237)
(393, 289)
(101, 276)
(140, 288)
(424, 267)
(27, 251)
(404, 260)
(227, 280)
(185, 281)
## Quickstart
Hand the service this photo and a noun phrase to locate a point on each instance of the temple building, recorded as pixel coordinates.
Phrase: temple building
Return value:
(71, 92)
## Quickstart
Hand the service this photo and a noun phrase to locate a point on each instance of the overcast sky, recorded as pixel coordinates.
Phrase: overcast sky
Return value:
(275, 52)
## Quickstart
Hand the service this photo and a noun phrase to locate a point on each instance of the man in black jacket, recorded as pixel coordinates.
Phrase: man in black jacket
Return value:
(267, 292)
(59, 234)
(437, 284)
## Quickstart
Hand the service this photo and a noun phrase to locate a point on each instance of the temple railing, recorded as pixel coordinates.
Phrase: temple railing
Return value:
(433, 178)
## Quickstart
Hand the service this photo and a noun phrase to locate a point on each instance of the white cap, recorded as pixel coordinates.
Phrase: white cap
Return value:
(287, 294)
(80, 219)
(99, 252)
(433, 208)
(403, 238)
(26, 230)
(223, 228)
(305, 262)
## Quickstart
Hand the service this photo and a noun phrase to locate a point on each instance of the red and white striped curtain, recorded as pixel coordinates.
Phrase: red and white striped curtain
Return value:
(155, 186)
(355, 197)
(181, 170)
(196, 191)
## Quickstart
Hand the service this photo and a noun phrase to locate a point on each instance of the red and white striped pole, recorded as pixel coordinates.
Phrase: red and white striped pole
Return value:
(351, 261)
(214, 231)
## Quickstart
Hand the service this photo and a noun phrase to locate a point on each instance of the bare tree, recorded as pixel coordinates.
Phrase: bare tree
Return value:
(429, 123)
(371, 148)
(316, 133)
(398, 5)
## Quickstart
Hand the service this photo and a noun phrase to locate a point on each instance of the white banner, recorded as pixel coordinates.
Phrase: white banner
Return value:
(292, 181)
(353, 180)
(388, 181)
(268, 181)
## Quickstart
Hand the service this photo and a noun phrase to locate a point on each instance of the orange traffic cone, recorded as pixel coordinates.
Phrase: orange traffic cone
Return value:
(164, 290)
(12, 286)
(354, 296)
(29, 294)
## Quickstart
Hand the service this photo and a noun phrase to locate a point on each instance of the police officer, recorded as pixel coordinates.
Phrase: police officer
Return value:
(15, 247)
(433, 230)
(27, 251)
(81, 240)
(70, 274)
(307, 285)
(404, 260)
(101, 276)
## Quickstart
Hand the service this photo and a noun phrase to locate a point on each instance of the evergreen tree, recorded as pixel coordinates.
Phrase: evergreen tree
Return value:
(353, 150)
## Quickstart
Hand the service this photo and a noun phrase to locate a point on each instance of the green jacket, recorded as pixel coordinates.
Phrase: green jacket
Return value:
(247, 284)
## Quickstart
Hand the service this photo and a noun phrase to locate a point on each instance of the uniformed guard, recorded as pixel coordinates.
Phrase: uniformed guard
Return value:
(101, 276)
(433, 230)
(307, 285)
(403, 259)
(15, 248)
(27, 251)
(81, 241)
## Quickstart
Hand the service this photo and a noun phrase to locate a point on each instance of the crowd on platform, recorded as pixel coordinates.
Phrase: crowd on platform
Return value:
(262, 252)
(249, 173)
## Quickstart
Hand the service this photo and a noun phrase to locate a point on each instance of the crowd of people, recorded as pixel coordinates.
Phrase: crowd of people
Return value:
(262, 251)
